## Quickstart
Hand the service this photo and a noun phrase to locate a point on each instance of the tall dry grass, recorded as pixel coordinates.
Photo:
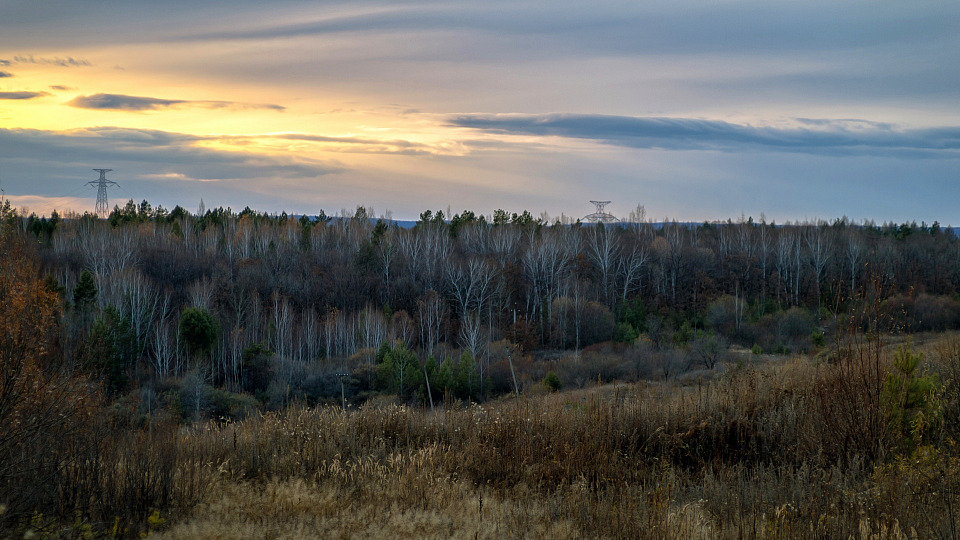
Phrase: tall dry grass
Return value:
(755, 453)
(772, 451)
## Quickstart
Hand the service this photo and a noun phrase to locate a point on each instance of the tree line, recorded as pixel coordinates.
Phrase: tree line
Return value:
(282, 307)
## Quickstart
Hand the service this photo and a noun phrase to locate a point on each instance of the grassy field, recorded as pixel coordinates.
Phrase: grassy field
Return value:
(778, 448)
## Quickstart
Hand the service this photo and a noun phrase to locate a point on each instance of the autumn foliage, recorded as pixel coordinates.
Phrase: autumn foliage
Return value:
(44, 409)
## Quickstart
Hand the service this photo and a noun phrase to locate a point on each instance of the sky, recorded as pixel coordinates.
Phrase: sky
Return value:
(696, 110)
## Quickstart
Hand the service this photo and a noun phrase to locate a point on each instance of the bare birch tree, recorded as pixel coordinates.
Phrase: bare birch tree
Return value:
(430, 312)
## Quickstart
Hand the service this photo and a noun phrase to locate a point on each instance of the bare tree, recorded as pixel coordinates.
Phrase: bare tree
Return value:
(201, 293)
(475, 238)
(818, 251)
(162, 350)
(763, 255)
(668, 250)
(789, 263)
(709, 349)
(106, 252)
(470, 333)
(630, 265)
(410, 246)
(329, 333)
(503, 243)
(745, 243)
(725, 241)
(320, 237)
(209, 239)
(195, 388)
(236, 343)
(372, 327)
(739, 307)
(309, 336)
(386, 254)
(602, 248)
(469, 283)
(282, 326)
(430, 312)
(544, 264)
(139, 302)
(637, 218)
(345, 334)
(402, 328)
(854, 256)
(436, 250)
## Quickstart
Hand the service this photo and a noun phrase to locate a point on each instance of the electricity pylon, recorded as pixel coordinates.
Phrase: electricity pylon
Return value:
(601, 215)
(102, 209)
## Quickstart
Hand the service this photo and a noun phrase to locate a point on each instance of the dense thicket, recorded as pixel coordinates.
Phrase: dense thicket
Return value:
(153, 294)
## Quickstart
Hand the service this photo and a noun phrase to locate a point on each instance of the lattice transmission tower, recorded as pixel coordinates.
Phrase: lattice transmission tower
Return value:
(601, 215)
(102, 209)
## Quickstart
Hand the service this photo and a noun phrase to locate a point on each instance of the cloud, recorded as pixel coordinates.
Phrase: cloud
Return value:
(824, 137)
(22, 95)
(167, 168)
(120, 102)
(364, 145)
(61, 87)
(57, 61)
(4, 74)
(620, 27)
(149, 152)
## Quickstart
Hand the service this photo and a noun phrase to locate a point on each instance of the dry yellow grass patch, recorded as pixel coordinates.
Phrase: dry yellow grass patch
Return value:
(297, 509)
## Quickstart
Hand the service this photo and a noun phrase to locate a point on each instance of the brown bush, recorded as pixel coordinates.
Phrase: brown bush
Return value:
(921, 312)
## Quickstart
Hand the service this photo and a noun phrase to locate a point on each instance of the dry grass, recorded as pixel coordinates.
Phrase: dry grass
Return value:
(752, 454)
(769, 452)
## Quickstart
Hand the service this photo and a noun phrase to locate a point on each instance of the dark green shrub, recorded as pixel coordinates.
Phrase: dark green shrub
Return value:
(198, 329)
(256, 370)
(626, 333)
(909, 400)
(552, 381)
(230, 406)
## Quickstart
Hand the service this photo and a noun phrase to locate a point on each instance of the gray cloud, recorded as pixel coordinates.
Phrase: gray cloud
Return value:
(57, 61)
(364, 145)
(22, 95)
(443, 55)
(4, 74)
(120, 102)
(508, 29)
(61, 87)
(163, 167)
(633, 28)
(830, 137)
(146, 152)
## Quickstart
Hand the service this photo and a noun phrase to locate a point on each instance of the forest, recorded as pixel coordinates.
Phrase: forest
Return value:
(162, 334)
